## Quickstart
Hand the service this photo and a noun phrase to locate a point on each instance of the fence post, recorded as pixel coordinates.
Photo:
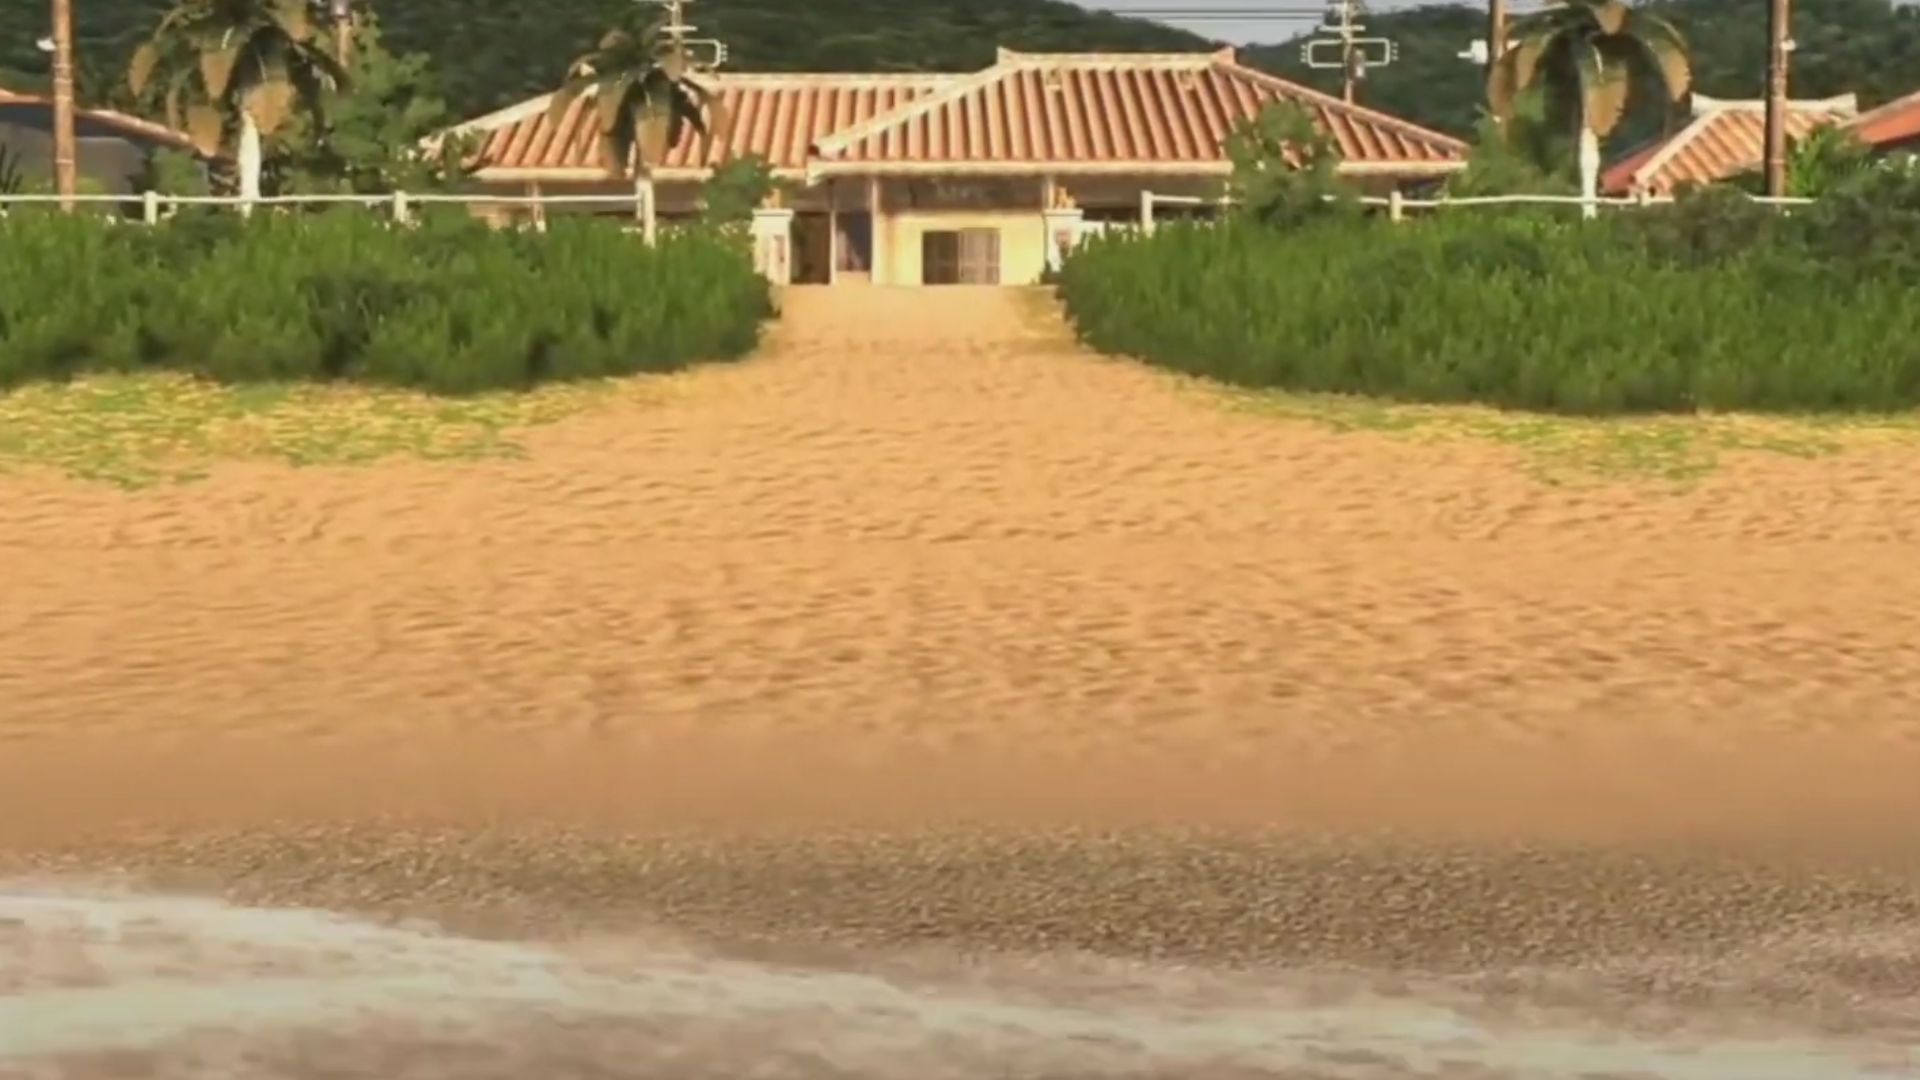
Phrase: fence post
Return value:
(1396, 208)
(400, 214)
(1146, 213)
(150, 207)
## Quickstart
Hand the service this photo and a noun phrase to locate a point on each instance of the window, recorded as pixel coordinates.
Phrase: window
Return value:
(960, 257)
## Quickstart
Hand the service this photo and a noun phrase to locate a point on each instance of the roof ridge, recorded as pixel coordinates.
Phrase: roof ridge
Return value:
(1339, 105)
(1013, 57)
(831, 144)
(1847, 102)
(1672, 147)
(1223, 59)
(835, 76)
(508, 114)
(1890, 107)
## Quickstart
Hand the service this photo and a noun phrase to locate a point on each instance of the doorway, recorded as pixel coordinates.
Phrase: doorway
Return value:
(856, 242)
(812, 249)
(960, 257)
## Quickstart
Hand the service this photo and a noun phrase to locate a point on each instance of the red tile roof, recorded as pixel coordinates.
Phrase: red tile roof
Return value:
(1895, 124)
(1056, 112)
(1724, 139)
(1115, 112)
(118, 122)
(775, 116)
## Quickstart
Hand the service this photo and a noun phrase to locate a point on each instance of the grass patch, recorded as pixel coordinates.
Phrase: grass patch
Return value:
(1564, 449)
(138, 430)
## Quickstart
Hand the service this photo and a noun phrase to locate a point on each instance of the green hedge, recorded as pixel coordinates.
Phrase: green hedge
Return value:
(449, 307)
(1712, 304)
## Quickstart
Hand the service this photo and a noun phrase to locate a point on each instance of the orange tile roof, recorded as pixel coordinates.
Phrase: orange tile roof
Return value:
(776, 116)
(118, 122)
(1059, 112)
(1115, 112)
(1897, 123)
(1724, 139)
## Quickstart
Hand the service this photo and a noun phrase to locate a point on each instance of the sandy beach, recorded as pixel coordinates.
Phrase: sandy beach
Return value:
(925, 639)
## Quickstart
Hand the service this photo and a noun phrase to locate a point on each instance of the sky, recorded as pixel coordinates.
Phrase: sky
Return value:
(1251, 31)
(1237, 31)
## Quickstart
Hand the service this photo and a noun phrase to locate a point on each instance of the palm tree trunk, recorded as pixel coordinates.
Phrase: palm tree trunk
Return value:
(643, 199)
(66, 179)
(250, 163)
(1589, 170)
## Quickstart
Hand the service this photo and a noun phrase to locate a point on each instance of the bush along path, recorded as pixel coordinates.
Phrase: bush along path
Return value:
(1711, 304)
(449, 307)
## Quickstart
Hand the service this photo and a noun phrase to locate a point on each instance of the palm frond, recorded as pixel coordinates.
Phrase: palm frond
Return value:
(294, 19)
(217, 64)
(1603, 90)
(206, 127)
(1610, 15)
(1665, 50)
(570, 91)
(140, 69)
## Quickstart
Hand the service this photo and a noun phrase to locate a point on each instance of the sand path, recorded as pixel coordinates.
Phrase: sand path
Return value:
(923, 561)
(922, 523)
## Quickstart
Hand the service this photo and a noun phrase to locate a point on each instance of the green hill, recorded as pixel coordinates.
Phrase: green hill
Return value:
(1865, 46)
(490, 53)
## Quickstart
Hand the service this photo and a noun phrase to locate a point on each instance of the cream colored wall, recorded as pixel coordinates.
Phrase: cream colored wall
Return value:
(1124, 191)
(679, 197)
(1023, 241)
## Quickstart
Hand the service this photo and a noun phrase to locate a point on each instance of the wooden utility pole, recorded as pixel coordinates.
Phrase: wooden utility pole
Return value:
(66, 178)
(1351, 70)
(1496, 33)
(1779, 44)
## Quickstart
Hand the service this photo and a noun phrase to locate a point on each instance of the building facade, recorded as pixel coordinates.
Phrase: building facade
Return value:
(963, 179)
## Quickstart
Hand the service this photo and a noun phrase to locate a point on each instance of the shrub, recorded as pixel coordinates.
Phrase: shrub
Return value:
(449, 307)
(1588, 318)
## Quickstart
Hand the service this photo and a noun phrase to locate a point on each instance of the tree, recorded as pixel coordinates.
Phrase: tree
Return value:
(235, 66)
(736, 189)
(1523, 156)
(643, 100)
(1586, 55)
(375, 123)
(1824, 160)
(1285, 169)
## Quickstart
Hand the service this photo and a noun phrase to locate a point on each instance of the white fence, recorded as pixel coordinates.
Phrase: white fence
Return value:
(1398, 205)
(153, 206)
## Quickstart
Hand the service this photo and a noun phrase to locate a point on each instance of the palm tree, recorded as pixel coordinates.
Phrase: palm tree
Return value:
(644, 101)
(1587, 52)
(236, 65)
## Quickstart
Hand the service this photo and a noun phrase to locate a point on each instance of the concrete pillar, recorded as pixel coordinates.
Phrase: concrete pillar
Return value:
(773, 244)
(876, 234)
(539, 208)
(1064, 224)
(833, 232)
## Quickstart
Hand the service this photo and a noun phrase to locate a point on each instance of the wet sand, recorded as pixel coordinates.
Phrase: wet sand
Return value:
(925, 631)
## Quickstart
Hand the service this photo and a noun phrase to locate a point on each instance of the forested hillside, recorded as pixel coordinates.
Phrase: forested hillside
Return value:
(489, 53)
